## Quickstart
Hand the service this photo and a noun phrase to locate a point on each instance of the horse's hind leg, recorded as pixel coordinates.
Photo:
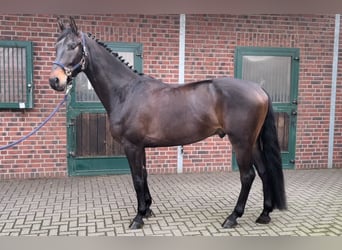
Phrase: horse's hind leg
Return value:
(247, 175)
(259, 163)
(136, 158)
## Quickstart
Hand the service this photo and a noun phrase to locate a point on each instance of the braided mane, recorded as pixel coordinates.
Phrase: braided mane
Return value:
(115, 54)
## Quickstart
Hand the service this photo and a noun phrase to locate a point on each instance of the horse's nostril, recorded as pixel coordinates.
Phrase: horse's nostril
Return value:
(54, 81)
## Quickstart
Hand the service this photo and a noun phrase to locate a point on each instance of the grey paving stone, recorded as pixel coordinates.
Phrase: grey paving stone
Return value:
(185, 204)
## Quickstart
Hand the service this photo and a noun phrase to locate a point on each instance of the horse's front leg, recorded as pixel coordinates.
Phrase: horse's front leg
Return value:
(137, 162)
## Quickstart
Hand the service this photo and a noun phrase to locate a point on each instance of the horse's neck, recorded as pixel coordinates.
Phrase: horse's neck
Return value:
(109, 77)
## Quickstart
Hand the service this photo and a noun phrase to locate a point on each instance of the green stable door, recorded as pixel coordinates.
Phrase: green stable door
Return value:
(91, 148)
(276, 69)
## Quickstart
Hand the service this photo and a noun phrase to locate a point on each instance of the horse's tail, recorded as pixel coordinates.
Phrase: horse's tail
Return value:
(273, 163)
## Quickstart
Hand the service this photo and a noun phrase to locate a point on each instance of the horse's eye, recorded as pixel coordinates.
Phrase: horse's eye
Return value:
(72, 46)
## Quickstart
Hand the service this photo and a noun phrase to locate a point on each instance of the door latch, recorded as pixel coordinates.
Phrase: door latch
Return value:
(72, 154)
(71, 123)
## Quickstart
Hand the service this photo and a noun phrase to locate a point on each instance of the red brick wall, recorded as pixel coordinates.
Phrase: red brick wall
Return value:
(44, 154)
(210, 45)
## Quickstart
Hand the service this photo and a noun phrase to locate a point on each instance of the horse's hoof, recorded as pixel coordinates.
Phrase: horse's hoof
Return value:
(263, 219)
(149, 214)
(136, 225)
(229, 223)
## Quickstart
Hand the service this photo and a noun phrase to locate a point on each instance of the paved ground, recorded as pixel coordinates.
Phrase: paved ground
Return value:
(185, 204)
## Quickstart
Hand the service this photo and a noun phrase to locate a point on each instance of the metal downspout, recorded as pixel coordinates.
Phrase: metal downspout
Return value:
(333, 92)
(181, 68)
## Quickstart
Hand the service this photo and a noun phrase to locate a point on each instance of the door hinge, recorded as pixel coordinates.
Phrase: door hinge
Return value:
(292, 161)
(294, 112)
(296, 58)
(295, 101)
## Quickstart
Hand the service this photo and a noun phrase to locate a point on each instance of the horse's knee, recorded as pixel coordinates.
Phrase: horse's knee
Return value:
(248, 177)
(138, 184)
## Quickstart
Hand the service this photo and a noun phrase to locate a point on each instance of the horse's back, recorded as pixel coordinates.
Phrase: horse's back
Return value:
(212, 100)
(240, 89)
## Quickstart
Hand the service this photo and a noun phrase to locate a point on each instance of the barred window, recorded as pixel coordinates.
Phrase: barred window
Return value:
(16, 85)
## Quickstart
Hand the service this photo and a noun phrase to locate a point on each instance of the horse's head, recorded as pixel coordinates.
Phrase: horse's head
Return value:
(70, 56)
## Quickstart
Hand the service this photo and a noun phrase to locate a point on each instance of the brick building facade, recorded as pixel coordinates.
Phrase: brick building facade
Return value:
(210, 45)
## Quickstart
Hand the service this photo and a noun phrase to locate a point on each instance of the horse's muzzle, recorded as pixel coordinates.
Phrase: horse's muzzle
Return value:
(58, 79)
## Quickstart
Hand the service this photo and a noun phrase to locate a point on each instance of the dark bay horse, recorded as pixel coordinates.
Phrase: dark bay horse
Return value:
(145, 112)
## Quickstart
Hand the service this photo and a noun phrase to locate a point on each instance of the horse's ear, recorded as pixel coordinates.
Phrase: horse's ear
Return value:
(73, 25)
(60, 24)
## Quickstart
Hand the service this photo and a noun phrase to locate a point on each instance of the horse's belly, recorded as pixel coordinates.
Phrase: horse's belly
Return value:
(181, 134)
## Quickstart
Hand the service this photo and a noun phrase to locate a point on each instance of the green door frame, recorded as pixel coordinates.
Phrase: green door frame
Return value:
(288, 158)
(96, 165)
